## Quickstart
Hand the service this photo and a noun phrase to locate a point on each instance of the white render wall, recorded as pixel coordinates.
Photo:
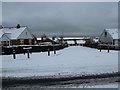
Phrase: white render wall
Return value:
(107, 39)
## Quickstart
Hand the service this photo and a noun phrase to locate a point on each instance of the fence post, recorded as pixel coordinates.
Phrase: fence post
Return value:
(48, 52)
(28, 54)
(14, 57)
(108, 49)
(100, 48)
(54, 50)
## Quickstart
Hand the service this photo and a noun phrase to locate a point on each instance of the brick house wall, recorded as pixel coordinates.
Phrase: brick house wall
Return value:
(22, 42)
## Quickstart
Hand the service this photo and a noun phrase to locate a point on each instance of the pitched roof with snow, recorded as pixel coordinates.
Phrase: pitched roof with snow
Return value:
(1, 33)
(113, 33)
(13, 31)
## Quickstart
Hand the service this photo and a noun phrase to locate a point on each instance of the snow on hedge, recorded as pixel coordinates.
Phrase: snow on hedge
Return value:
(80, 41)
(69, 61)
(70, 42)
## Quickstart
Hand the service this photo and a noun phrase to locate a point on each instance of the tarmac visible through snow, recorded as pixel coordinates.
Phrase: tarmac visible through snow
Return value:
(106, 80)
(111, 82)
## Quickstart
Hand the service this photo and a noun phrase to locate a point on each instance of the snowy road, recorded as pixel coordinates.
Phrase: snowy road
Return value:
(69, 61)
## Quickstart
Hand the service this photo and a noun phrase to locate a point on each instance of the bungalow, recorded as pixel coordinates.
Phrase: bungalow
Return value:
(16, 36)
(45, 39)
(109, 36)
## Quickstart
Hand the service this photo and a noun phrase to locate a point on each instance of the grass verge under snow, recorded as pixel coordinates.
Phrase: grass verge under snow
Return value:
(69, 61)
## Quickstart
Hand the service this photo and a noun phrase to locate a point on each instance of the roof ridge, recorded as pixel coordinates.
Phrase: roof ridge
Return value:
(14, 31)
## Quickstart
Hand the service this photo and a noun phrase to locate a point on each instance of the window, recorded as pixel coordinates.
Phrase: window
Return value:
(21, 42)
(7, 43)
(105, 34)
(30, 41)
(113, 42)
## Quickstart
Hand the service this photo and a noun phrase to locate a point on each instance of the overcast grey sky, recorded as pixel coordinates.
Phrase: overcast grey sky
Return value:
(79, 18)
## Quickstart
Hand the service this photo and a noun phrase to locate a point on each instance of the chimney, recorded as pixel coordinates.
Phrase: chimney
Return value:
(18, 26)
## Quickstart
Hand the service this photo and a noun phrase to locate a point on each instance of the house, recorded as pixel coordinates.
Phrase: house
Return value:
(16, 36)
(45, 39)
(109, 36)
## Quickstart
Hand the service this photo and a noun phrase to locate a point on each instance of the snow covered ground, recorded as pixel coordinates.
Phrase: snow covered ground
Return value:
(69, 61)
